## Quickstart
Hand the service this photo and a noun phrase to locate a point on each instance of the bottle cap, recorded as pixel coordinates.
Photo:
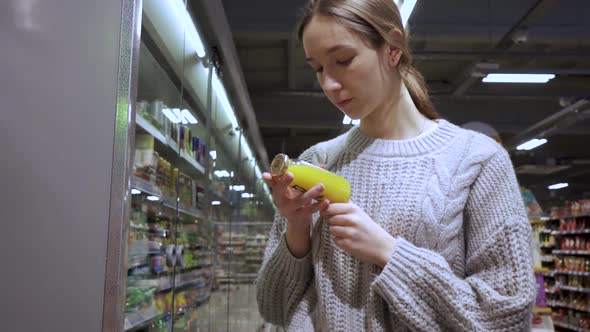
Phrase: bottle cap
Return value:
(279, 165)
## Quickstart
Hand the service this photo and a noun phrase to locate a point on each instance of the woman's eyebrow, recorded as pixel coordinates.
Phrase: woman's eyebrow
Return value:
(331, 50)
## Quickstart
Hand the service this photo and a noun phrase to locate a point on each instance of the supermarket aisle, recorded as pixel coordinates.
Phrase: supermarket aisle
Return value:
(243, 314)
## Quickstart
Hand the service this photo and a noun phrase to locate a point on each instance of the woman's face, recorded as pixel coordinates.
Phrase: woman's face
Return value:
(355, 77)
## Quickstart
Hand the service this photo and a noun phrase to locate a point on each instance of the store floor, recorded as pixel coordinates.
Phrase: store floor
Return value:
(233, 309)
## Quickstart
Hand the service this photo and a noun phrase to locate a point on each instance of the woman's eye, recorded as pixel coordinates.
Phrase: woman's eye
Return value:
(345, 62)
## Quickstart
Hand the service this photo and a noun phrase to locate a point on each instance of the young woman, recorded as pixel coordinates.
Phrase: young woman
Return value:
(435, 237)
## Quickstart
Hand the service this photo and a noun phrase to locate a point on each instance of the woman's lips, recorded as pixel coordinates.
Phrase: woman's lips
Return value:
(344, 102)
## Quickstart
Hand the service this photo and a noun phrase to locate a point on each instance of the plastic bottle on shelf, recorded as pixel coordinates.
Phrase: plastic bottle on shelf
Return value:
(306, 176)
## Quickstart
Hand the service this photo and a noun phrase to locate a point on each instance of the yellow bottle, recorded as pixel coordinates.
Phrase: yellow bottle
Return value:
(306, 176)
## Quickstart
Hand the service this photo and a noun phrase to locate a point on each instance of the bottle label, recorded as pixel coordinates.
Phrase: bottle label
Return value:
(296, 187)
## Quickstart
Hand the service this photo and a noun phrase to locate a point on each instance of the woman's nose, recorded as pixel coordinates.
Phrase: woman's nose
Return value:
(330, 84)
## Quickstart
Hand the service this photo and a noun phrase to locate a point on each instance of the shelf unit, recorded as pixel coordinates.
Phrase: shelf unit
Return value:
(566, 271)
(241, 248)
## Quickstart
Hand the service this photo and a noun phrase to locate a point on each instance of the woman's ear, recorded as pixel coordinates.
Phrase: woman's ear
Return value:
(394, 53)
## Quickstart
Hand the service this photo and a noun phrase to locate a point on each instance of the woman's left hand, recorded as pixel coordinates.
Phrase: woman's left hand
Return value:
(357, 234)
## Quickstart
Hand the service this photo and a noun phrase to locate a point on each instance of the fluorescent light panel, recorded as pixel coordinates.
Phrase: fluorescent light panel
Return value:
(213, 154)
(406, 8)
(175, 115)
(558, 186)
(246, 148)
(215, 203)
(534, 143)
(191, 34)
(222, 173)
(153, 198)
(517, 78)
(224, 101)
(135, 191)
(237, 187)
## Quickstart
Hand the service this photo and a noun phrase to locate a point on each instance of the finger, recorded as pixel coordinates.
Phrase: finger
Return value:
(339, 220)
(315, 207)
(282, 184)
(342, 243)
(311, 193)
(341, 231)
(338, 208)
(270, 181)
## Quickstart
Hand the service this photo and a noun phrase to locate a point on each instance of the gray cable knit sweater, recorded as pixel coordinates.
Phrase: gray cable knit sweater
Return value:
(462, 259)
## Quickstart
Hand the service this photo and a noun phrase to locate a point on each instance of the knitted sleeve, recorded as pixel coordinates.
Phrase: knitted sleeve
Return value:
(284, 289)
(499, 288)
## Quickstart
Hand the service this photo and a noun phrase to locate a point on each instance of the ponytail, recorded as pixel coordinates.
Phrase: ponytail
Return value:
(416, 85)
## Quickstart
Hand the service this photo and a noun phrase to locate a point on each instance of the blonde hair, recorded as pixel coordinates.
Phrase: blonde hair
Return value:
(374, 20)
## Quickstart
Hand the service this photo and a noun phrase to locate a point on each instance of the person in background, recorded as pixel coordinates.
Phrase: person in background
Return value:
(435, 236)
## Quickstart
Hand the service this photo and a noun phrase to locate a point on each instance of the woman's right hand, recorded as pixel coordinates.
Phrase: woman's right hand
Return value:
(297, 208)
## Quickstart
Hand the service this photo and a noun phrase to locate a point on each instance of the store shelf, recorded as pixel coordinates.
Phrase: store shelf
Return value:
(563, 305)
(542, 310)
(182, 310)
(147, 126)
(573, 273)
(571, 252)
(170, 148)
(169, 202)
(546, 231)
(569, 326)
(537, 221)
(576, 289)
(566, 217)
(577, 232)
(145, 186)
(550, 291)
(137, 321)
(219, 197)
(138, 264)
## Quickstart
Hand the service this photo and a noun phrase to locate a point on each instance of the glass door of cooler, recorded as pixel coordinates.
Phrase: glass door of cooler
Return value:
(170, 241)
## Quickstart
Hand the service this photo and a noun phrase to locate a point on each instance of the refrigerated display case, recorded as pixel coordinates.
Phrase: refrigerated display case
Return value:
(190, 156)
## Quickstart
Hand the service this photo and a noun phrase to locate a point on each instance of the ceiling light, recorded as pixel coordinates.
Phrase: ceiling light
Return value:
(247, 195)
(246, 148)
(135, 191)
(176, 116)
(517, 78)
(191, 34)
(406, 8)
(222, 174)
(170, 115)
(346, 120)
(535, 142)
(356, 122)
(237, 187)
(224, 101)
(558, 186)
(153, 198)
(213, 154)
(215, 203)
